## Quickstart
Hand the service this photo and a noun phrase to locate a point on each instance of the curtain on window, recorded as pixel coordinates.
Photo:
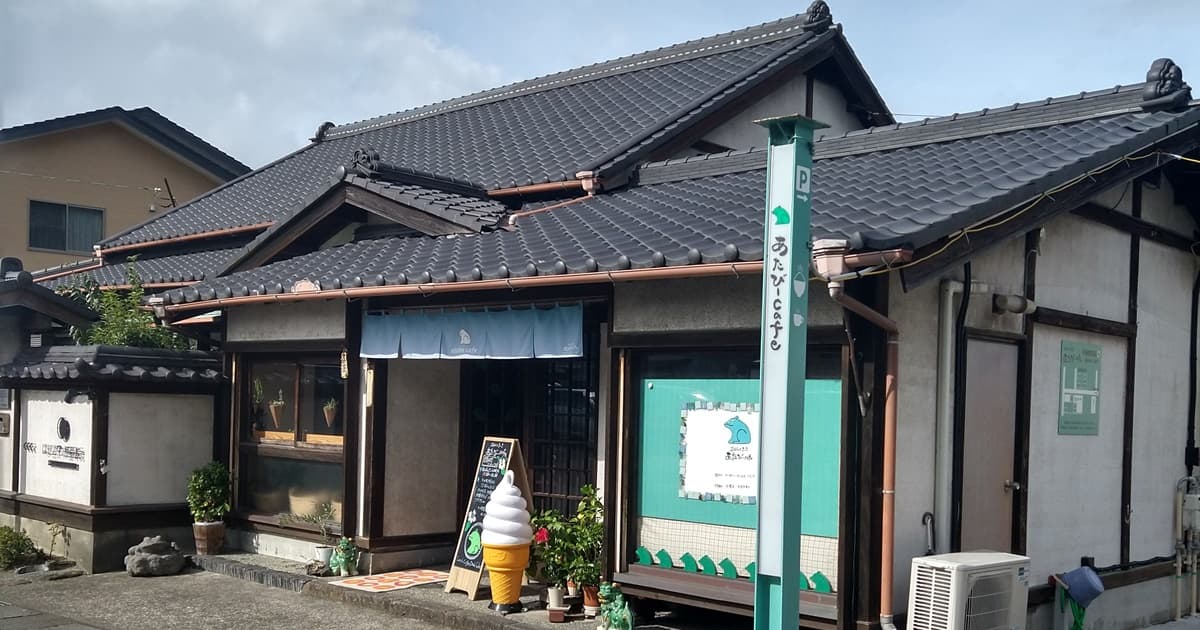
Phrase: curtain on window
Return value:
(85, 227)
(47, 225)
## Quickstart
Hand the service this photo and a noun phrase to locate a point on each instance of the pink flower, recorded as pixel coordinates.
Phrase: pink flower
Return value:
(542, 536)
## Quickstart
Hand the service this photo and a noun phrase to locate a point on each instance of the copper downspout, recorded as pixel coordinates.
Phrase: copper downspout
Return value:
(512, 218)
(189, 237)
(594, 277)
(830, 259)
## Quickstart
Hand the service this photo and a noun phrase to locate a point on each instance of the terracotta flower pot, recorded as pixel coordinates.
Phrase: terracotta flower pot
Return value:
(591, 601)
(210, 537)
(276, 415)
(330, 416)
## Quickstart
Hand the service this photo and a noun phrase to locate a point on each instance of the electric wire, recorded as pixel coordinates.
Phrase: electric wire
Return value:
(1049, 194)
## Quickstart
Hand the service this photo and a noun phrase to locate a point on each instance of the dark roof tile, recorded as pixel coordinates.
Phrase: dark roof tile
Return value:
(906, 196)
(113, 363)
(532, 132)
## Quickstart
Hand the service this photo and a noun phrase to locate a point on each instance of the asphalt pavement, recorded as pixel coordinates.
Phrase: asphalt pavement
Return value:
(194, 600)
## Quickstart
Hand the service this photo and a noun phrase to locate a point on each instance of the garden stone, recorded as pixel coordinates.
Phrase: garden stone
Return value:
(154, 556)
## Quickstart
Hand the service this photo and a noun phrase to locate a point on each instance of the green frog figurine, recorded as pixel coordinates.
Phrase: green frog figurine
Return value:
(344, 560)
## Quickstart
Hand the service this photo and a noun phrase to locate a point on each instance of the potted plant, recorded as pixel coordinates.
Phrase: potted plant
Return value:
(330, 408)
(208, 501)
(257, 398)
(323, 519)
(587, 529)
(276, 407)
(551, 554)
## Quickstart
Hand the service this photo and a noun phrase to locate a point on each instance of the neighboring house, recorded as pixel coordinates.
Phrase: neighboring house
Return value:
(576, 261)
(67, 183)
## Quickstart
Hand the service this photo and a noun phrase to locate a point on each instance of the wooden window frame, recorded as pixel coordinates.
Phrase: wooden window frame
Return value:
(295, 439)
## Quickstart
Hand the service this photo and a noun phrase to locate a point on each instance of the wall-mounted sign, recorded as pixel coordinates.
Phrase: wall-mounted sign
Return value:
(718, 452)
(1079, 389)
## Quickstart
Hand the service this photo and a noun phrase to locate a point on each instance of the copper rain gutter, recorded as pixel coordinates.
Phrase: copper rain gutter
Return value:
(59, 274)
(594, 277)
(831, 261)
(189, 237)
(570, 184)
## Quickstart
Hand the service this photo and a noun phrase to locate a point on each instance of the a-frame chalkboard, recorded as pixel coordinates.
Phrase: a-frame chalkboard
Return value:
(497, 456)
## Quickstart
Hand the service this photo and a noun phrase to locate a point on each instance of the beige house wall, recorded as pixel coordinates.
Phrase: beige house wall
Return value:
(61, 168)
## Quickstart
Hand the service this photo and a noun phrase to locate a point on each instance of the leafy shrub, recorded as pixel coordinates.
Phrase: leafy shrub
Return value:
(123, 322)
(16, 549)
(588, 537)
(208, 492)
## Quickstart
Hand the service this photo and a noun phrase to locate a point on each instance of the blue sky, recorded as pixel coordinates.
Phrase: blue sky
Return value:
(256, 77)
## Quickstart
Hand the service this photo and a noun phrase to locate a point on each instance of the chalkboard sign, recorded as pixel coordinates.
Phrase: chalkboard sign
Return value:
(497, 456)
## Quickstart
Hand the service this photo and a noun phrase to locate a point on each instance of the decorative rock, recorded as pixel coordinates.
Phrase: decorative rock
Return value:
(154, 556)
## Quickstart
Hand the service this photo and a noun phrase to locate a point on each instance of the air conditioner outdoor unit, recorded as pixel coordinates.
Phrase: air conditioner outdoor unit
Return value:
(980, 590)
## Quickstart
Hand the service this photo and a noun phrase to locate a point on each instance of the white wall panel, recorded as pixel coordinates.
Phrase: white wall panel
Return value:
(1074, 481)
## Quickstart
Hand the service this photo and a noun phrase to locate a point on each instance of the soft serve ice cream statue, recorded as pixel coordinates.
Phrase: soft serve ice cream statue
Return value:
(506, 539)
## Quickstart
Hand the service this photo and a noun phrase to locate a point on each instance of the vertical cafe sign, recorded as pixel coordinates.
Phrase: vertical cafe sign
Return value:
(1079, 389)
(786, 260)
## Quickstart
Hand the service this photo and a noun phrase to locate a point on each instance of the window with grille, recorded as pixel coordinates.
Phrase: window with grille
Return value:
(64, 227)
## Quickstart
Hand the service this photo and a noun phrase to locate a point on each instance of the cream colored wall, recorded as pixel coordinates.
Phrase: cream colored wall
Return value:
(108, 153)
(155, 441)
(291, 321)
(702, 304)
(420, 487)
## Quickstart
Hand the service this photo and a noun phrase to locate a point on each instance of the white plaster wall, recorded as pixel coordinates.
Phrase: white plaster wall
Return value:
(421, 482)
(299, 321)
(1158, 207)
(1118, 198)
(1003, 271)
(703, 304)
(1084, 268)
(40, 411)
(6, 450)
(1160, 396)
(10, 343)
(155, 441)
(916, 312)
(1074, 490)
(829, 107)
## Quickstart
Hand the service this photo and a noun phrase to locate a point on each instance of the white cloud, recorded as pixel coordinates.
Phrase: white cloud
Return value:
(254, 78)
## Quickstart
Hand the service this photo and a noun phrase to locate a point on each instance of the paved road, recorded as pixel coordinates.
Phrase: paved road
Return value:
(189, 601)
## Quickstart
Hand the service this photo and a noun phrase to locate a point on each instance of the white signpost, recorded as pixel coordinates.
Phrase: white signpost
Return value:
(787, 252)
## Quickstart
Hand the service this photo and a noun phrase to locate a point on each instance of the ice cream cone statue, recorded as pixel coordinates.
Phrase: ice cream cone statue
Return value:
(506, 539)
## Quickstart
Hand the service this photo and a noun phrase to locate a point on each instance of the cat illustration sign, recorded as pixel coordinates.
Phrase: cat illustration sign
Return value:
(718, 451)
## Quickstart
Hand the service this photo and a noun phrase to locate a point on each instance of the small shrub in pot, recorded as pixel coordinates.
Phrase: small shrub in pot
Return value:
(208, 500)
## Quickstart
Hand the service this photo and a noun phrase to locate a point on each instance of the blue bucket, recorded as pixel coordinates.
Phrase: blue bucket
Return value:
(1083, 585)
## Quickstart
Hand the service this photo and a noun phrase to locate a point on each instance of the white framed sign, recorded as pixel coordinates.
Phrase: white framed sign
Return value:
(718, 452)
